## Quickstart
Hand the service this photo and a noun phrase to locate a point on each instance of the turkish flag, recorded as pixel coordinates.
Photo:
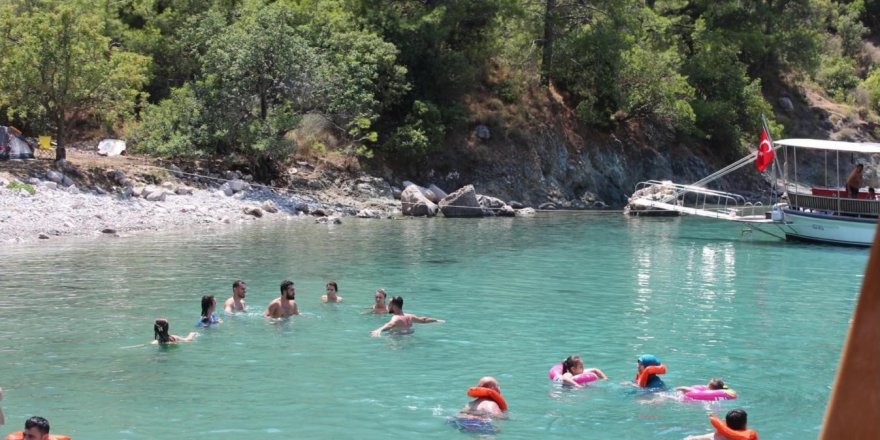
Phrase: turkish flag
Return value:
(765, 152)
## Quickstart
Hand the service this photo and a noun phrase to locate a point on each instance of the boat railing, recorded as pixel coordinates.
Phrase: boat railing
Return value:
(836, 205)
(695, 196)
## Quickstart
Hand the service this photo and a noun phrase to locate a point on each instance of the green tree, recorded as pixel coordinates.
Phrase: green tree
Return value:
(57, 67)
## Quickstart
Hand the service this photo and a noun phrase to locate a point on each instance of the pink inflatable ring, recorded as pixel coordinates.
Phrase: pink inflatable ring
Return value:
(700, 392)
(555, 375)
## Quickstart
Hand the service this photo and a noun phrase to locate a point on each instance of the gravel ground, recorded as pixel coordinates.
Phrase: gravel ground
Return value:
(55, 211)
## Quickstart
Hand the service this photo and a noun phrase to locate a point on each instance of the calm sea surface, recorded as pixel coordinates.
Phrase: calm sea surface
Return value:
(518, 295)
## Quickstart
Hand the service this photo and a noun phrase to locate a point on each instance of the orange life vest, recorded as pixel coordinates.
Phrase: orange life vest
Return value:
(642, 378)
(488, 393)
(732, 434)
(20, 436)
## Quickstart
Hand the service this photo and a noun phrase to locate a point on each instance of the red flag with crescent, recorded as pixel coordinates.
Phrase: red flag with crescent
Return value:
(765, 152)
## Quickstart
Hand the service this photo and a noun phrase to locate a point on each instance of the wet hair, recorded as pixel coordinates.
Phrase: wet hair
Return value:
(333, 283)
(237, 283)
(860, 166)
(398, 301)
(38, 422)
(207, 301)
(715, 384)
(570, 362)
(160, 331)
(736, 419)
(285, 284)
(382, 291)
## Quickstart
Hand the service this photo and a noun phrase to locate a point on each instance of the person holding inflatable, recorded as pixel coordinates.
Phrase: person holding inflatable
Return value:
(714, 390)
(487, 402)
(571, 372)
(401, 323)
(732, 428)
(649, 371)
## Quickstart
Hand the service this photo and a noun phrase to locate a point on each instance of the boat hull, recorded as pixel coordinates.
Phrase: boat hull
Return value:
(824, 228)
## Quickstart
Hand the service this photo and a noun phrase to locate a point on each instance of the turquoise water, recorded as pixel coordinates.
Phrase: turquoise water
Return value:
(518, 295)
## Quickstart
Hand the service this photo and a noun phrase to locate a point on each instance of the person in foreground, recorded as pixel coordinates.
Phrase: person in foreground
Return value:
(161, 335)
(854, 181)
(401, 323)
(331, 296)
(209, 304)
(2, 418)
(236, 303)
(649, 369)
(573, 366)
(379, 305)
(36, 428)
(285, 306)
(732, 428)
(487, 403)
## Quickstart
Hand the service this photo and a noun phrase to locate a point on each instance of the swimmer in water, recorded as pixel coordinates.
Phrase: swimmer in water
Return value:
(714, 384)
(484, 405)
(161, 335)
(209, 304)
(573, 366)
(236, 303)
(650, 380)
(331, 296)
(285, 306)
(401, 323)
(379, 306)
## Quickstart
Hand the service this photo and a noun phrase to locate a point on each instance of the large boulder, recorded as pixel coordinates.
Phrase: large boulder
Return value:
(461, 203)
(437, 192)
(415, 203)
(111, 147)
(490, 205)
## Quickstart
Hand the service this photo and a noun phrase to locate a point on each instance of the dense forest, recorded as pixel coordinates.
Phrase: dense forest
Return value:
(388, 80)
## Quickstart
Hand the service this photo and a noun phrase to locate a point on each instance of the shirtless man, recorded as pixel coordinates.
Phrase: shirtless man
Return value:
(284, 306)
(401, 323)
(854, 181)
(331, 296)
(236, 303)
(484, 406)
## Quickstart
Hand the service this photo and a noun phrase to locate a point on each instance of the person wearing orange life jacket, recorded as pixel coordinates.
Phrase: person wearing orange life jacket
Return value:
(649, 369)
(35, 428)
(487, 402)
(732, 428)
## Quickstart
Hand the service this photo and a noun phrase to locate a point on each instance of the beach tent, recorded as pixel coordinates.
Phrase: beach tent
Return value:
(13, 145)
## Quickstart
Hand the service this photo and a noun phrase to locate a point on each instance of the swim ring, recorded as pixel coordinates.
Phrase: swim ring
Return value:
(555, 374)
(20, 436)
(701, 392)
(488, 393)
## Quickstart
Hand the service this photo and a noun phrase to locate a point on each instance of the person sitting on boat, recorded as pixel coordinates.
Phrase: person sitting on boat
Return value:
(209, 304)
(872, 195)
(649, 369)
(854, 181)
(732, 428)
(161, 335)
(487, 403)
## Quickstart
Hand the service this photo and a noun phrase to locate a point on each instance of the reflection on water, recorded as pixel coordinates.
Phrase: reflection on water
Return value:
(518, 295)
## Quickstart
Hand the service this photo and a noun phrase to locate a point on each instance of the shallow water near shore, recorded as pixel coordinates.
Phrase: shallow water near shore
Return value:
(518, 295)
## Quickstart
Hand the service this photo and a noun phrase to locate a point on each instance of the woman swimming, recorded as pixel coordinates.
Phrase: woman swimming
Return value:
(161, 335)
(379, 306)
(209, 304)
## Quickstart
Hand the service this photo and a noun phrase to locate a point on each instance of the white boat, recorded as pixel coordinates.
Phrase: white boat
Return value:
(811, 213)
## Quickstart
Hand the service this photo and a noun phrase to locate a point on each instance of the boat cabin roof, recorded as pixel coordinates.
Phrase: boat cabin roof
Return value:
(816, 144)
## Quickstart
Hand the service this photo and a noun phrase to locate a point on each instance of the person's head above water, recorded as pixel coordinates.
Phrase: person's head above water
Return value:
(715, 384)
(208, 304)
(239, 288)
(489, 382)
(160, 330)
(333, 285)
(648, 360)
(287, 289)
(573, 364)
(736, 419)
(396, 303)
(35, 428)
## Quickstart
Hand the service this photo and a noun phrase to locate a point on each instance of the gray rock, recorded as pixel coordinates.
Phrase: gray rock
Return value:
(516, 205)
(183, 190)
(438, 192)
(54, 176)
(67, 181)
(108, 231)
(227, 190)
(547, 206)
(3, 182)
(525, 212)
(127, 191)
(34, 181)
(461, 203)
(150, 189)
(43, 236)
(506, 211)
(100, 191)
(50, 185)
(415, 203)
(238, 185)
(167, 185)
(155, 196)
(269, 206)
(368, 213)
(396, 192)
(253, 210)
(175, 171)
(786, 103)
(482, 132)
(247, 178)
(117, 176)
(229, 175)
(137, 191)
(73, 189)
(127, 182)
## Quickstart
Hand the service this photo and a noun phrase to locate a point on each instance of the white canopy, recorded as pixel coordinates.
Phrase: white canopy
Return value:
(855, 147)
